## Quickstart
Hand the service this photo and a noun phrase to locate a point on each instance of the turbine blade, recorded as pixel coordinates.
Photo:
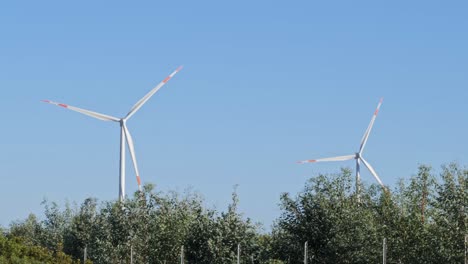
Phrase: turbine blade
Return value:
(131, 147)
(145, 98)
(369, 128)
(339, 158)
(372, 171)
(85, 112)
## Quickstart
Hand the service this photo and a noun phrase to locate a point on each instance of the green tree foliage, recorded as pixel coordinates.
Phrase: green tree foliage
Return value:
(230, 230)
(15, 251)
(326, 214)
(30, 230)
(154, 226)
(423, 219)
(450, 214)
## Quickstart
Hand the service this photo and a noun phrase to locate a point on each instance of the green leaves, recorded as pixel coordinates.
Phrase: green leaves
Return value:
(424, 221)
(14, 250)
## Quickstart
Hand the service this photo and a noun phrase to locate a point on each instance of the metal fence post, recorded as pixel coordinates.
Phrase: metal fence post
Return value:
(85, 254)
(182, 255)
(466, 248)
(305, 252)
(384, 251)
(238, 253)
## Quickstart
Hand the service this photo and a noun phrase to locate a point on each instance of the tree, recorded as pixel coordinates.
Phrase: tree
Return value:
(327, 215)
(14, 250)
(424, 221)
(450, 217)
(80, 233)
(230, 230)
(30, 230)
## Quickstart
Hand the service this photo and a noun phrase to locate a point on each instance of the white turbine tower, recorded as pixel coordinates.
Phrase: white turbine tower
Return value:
(358, 155)
(124, 133)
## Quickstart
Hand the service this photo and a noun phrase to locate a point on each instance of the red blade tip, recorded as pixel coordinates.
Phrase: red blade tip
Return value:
(306, 161)
(138, 180)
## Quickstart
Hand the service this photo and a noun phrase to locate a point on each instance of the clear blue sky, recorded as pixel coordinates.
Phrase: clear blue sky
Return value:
(265, 83)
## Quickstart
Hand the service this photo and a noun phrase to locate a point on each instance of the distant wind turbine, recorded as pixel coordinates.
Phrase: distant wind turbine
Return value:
(357, 156)
(124, 133)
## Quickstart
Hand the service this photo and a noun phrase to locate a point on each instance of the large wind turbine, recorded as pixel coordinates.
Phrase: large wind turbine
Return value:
(124, 133)
(358, 155)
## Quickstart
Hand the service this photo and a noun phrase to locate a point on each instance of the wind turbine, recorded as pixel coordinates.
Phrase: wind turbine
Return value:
(357, 156)
(124, 133)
